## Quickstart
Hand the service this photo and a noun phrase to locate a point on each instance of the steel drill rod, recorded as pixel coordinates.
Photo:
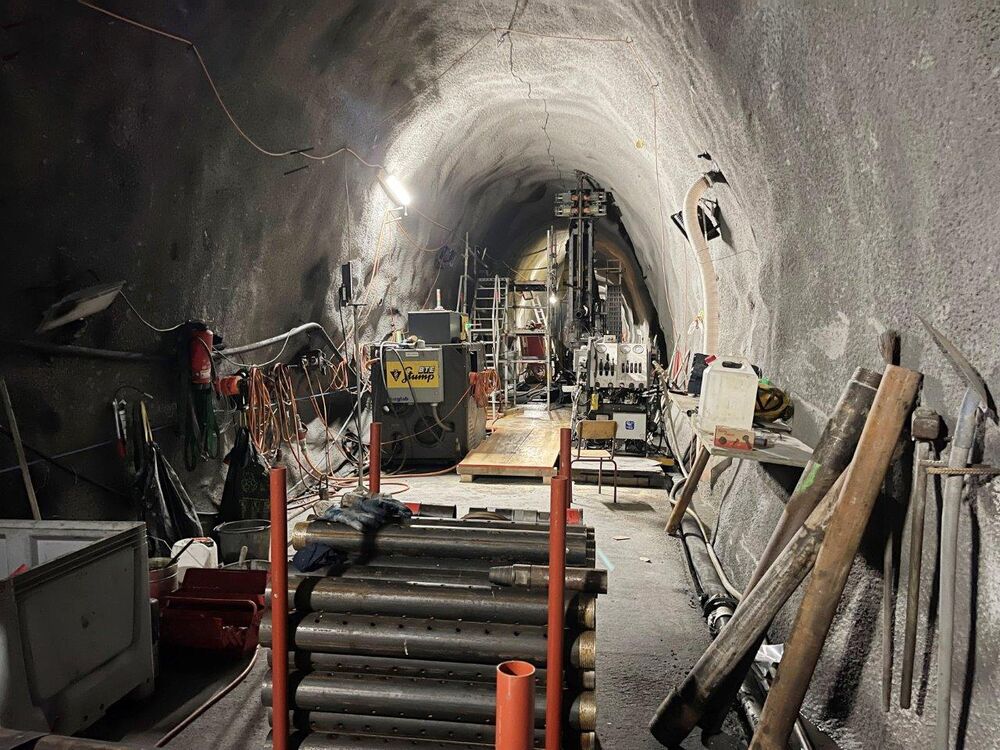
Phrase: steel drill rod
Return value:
(412, 698)
(480, 544)
(863, 481)
(403, 599)
(474, 578)
(381, 695)
(680, 711)
(918, 509)
(392, 726)
(537, 576)
(458, 564)
(434, 640)
(478, 523)
(312, 661)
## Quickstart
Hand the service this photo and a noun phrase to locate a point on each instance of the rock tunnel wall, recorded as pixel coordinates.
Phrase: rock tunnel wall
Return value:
(859, 143)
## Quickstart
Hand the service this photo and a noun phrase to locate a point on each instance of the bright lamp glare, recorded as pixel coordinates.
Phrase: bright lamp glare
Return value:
(553, 300)
(395, 189)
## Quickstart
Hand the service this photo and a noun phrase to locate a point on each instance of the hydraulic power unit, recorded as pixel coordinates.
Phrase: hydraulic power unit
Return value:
(426, 404)
(436, 326)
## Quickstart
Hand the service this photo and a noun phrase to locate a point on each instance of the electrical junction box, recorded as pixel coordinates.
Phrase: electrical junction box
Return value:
(435, 326)
(413, 376)
(631, 424)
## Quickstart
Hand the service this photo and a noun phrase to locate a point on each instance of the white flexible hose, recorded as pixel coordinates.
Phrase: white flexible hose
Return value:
(699, 246)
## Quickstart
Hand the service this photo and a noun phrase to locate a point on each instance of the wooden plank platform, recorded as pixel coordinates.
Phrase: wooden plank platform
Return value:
(524, 443)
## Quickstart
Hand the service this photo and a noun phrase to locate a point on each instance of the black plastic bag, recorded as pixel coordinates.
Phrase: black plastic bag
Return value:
(247, 493)
(166, 507)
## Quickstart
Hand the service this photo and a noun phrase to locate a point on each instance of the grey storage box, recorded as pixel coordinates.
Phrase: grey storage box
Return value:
(74, 629)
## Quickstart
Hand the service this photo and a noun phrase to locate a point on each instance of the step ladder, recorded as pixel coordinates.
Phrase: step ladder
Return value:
(489, 325)
(534, 295)
(531, 297)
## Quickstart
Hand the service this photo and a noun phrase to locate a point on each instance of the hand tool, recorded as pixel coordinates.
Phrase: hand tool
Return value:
(831, 456)
(690, 485)
(863, 480)
(925, 427)
(888, 344)
(976, 397)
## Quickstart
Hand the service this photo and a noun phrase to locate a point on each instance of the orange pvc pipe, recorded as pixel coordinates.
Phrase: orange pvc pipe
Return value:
(515, 706)
(279, 607)
(375, 458)
(556, 622)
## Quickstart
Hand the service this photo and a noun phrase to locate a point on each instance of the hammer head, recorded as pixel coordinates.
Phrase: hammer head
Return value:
(961, 363)
(925, 424)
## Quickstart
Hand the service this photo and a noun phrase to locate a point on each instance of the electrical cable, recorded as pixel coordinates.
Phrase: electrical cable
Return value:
(72, 350)
(146, 322)
(304, 153)
(51, 460)
(190, 718)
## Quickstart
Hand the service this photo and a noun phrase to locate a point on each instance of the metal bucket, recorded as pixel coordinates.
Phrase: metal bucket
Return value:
(253, 534)
(162, 577)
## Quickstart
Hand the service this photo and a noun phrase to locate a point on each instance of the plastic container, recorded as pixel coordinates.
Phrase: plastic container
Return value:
(203, 553)
(728, 395)
(75, 627)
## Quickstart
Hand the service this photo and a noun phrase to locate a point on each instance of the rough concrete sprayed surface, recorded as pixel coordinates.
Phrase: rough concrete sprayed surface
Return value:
(859, 142)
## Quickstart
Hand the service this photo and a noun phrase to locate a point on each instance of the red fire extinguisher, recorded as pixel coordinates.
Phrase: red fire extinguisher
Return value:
(202, 436)
(201, 357)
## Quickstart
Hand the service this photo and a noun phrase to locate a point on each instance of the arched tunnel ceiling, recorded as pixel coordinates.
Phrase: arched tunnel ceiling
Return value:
(478, 106)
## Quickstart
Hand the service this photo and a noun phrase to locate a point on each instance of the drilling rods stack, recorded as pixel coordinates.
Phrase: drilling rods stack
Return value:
(403, 642)
(475, 543)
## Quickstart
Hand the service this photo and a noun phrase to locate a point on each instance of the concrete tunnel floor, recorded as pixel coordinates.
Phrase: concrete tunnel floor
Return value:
(650, 629)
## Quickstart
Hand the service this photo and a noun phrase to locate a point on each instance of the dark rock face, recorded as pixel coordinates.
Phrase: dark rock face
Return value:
(859, 145)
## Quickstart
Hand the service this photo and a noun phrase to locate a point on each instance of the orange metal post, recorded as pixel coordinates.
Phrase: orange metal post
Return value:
(566, 461)
(279, 607)
(375, 458)
(515, 706)
(555, 636)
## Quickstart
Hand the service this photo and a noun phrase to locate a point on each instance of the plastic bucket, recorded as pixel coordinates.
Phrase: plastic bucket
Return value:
(253, 534)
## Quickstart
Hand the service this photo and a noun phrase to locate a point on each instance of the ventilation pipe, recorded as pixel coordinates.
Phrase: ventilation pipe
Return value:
(699, 245)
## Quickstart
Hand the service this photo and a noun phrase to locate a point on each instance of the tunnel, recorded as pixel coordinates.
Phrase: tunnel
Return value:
(224, 160)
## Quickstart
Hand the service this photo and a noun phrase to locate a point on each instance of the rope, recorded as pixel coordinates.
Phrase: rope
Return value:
(975, 471)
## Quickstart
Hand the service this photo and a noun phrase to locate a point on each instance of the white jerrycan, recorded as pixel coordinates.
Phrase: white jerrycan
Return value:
(728, 394)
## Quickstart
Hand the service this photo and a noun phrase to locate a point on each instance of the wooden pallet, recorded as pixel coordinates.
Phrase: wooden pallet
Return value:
(632, 472)
(524, 443)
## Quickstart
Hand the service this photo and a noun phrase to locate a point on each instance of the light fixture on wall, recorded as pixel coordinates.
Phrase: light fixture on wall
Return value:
(394, 188)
